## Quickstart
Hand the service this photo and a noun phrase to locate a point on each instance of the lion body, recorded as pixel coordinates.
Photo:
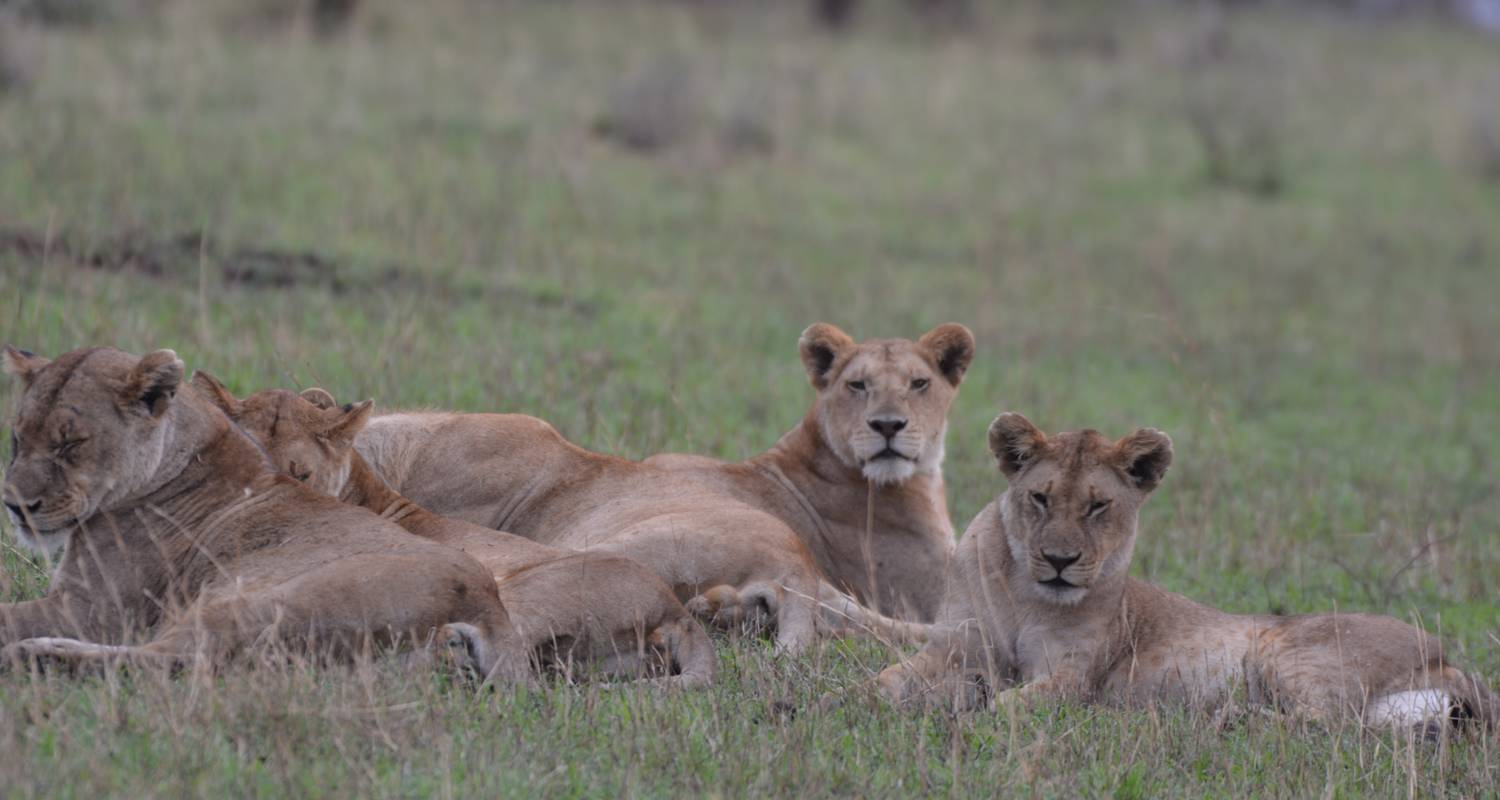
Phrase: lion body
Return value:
(179, 531)
(1039, 603)
(774, 529)
(572, 610)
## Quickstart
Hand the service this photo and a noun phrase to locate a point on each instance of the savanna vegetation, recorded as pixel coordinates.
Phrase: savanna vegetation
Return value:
(1273, 233)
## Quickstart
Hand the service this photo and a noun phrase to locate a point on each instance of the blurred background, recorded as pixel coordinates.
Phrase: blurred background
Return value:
(1269, 228)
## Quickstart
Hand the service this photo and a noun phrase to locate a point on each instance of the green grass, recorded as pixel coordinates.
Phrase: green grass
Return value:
(1324, 358)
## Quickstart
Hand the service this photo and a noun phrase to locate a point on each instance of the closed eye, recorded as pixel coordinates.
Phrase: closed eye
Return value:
(299, 474)
(67, 446)
(1097, 507)
(856, 386)
(920, 384)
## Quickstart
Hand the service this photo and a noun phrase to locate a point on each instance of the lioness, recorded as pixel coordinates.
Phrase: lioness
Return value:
(569, 608)
(758, 534)
(1040, 598)
(176, 524)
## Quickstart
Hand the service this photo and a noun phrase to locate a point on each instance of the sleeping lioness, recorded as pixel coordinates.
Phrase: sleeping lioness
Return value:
(177, 529)
(768, 533)
(1040, 604)
(570, 609)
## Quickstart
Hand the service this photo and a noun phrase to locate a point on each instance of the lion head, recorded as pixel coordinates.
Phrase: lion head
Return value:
(1070, 512)
(882, 405)
(307, 436)
(89, 435)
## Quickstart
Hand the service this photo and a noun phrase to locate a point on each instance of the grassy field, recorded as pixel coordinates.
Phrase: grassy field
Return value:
(440, 208)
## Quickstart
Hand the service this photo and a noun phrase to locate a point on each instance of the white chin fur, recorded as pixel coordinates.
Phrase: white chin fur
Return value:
(48, 544)
(889, 470)
(1409, 708)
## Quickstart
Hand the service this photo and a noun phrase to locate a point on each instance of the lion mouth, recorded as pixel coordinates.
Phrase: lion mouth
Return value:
(890, 453)
(1058, 582)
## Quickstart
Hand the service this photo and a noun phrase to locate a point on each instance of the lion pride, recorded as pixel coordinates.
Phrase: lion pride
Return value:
(1040, 604)
(177, 529)
(767, 533)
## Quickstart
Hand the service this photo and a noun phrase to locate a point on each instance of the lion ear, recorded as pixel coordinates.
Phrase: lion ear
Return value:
(320, 398)
(952, 347)
(821, 346)
(1015, 442)
(215, 391)
(23, 364)
(1144, 456)
(153, 382)
(349, 423)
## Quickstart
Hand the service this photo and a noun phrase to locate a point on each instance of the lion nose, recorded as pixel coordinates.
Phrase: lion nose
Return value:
(1060, 562)
(30, 508)
(887, 427)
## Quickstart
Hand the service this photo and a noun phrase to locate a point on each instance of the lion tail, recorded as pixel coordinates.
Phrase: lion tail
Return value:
(843, 615)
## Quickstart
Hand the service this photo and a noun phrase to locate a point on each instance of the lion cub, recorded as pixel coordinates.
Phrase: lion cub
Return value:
(176, 527)
(571, 609)
(1040, 598)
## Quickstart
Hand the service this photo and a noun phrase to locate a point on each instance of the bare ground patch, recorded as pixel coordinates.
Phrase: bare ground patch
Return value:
(184, 256)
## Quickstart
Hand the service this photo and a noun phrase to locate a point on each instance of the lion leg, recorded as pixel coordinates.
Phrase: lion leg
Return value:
(173, 648)
(687, 647)
(1376, 669)
(937, 677)
(722, 606)
(842, 615)
(795, 613)
(486, 652)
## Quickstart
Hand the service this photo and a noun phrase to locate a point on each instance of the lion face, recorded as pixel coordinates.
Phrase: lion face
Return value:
(88, 436)
(882, 405)
(307, 436)
(1070, 512)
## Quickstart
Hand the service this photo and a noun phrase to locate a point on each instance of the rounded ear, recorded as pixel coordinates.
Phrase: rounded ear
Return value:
(1015, 442)
(952, 347)
(215, 391)
(821, 346)
(153, 382)
(349, 423)
(1144, 457)
(319, 397)
(22, 364)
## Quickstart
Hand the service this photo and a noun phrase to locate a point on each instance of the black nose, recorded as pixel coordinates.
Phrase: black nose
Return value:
(1060, 563)
(887, 427)
(31, 508)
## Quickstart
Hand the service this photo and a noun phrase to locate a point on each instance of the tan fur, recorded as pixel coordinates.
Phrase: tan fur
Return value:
(571, 609)
(178, 528)
(1010, 622)
(772, 529)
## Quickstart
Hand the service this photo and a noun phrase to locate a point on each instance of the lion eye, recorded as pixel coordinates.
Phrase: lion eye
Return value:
(1040, 500)
(1097, 507)
(856, 386)
(67, 446)
(920, 383)
(300, 474)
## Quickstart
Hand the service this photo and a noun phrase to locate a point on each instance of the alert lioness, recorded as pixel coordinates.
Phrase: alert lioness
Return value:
(765, 533)
(1040, 598)
(569, 608)
(177, 527)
